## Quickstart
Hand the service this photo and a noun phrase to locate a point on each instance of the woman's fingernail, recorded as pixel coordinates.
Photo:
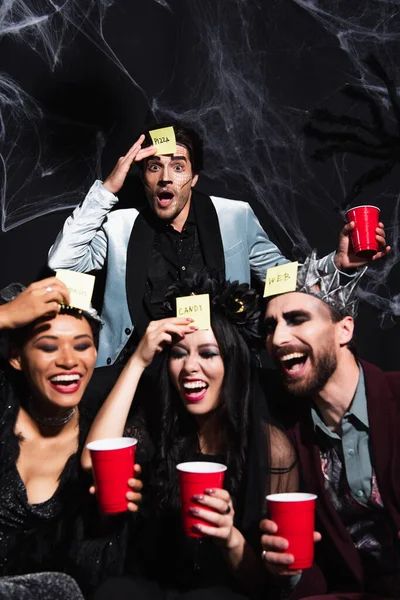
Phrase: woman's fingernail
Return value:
(198, 497)
(194, 510)
(193, 328)
(189, 320)
(209, 491)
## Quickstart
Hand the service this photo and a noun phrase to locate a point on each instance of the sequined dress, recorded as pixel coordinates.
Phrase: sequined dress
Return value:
(46, 586)
(64, 533)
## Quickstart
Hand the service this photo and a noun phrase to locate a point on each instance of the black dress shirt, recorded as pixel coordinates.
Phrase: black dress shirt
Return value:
(175, 255)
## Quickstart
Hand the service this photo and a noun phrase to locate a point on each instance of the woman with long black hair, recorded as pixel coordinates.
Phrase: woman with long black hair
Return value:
(48, 521)
(208, 408)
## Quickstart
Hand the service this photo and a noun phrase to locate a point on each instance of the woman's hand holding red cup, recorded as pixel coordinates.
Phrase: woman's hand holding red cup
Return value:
(135, 497)
(219, 513)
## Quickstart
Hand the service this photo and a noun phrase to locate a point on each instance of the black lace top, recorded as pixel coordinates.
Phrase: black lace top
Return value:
(163, 553)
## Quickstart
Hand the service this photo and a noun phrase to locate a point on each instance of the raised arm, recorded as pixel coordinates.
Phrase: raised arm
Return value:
(82, 243)
(40, 299)
(111, 419)
(264, 254)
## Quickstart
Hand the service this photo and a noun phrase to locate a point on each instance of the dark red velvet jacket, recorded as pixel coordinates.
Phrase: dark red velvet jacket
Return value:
(339, 565)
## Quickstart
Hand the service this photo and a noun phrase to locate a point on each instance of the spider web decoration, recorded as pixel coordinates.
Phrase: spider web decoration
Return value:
(356, 136)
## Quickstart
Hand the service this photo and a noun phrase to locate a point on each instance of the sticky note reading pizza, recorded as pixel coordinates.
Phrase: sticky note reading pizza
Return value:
(164, 140)
(281, 279)
(195, 307)
(80, 286)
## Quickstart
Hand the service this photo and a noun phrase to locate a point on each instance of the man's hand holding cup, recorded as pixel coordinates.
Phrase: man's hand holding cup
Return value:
(274, 554)
(288, 537)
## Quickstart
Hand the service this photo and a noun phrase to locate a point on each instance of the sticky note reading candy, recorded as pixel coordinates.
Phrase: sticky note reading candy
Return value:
(80, 286)
(281, 279)
(164, 140)
(195, 307)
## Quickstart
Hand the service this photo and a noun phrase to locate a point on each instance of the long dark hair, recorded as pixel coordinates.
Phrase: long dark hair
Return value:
(234, 317)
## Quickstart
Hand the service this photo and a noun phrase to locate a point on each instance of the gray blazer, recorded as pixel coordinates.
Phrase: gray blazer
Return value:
(93, 236)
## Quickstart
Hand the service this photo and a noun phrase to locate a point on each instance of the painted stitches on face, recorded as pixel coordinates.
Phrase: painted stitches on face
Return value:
(168, 182)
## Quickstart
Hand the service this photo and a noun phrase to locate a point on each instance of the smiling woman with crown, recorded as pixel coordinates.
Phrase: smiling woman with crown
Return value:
(43, 424)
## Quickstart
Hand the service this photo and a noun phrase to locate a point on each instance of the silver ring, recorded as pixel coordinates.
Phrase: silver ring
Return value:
(263, 554)
(228, 510)
(49, 289)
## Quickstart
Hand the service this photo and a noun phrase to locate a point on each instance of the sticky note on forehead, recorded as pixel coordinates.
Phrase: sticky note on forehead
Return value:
(164, 140)
(281, 279)
(80, 287)
(195, 307)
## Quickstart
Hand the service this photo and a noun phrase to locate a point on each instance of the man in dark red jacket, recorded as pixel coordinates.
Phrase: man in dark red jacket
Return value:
(343, 415)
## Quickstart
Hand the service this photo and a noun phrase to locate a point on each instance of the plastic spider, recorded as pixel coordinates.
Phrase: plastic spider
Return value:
(360, 137)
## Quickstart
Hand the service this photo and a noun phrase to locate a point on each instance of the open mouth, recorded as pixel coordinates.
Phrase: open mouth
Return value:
(66, 383)
(293, 364)
(195, 390)
(165, 198)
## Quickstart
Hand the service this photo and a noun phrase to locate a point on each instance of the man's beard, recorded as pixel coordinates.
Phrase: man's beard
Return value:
(323, 369)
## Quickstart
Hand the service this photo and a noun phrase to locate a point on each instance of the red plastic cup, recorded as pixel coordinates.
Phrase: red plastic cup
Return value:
(363, 236)
(195, 478)
(295, 516)
(113, 461)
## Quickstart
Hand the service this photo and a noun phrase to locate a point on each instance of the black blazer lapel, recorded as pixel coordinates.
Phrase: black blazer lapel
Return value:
(209, 233)
(138, 256)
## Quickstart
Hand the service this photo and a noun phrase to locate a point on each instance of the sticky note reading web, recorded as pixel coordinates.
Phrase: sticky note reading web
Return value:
(195, 307)
(281, 279)
(164, 140)
(80, 286)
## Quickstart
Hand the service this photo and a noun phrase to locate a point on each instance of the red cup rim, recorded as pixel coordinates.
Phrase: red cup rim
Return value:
(201, 467)
(291, 497)
(118, 443)
(363, 206)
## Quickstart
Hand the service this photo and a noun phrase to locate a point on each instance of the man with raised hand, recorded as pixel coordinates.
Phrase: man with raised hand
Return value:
(343, 415)
(181, 232)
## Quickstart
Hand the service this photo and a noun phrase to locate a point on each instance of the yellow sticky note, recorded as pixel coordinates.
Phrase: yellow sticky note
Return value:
(80, 286)
(195, 307)
(164, 140)
(281, 279)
